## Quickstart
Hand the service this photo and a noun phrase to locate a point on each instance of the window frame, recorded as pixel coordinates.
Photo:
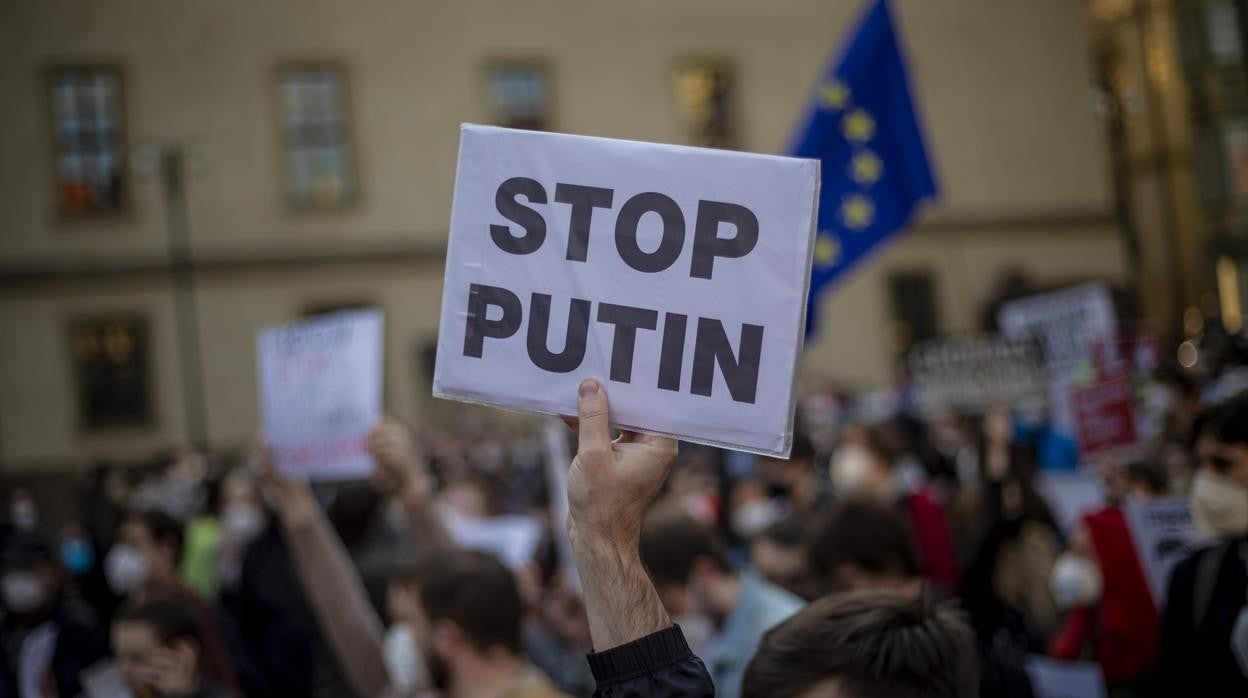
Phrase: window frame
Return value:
(82, 424)
(351, 199)
(493, 63)
(48, 74)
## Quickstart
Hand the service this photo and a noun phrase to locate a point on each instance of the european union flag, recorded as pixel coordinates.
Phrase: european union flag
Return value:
(863, 127)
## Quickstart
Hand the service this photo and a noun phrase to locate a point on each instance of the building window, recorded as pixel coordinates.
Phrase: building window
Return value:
(912, 295)
(703, 91)
(87, 114)
(316, 132)
(111, 368)
(519, 94)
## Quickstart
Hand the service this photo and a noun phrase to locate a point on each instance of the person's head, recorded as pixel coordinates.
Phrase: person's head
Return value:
(29, 578)
(862, 464)
(242, 513)
(148, 547)
(1145, 480)
(862, 545)
(779, 555)
(1220, 488)
(157, 646)
(863, 645)
(687, 564)
(468, 607)
(23, 511)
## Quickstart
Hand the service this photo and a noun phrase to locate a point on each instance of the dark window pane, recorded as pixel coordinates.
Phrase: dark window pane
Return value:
(110, 358)
(703, 91)
(86, 109)
(316, 136)
(519, 94)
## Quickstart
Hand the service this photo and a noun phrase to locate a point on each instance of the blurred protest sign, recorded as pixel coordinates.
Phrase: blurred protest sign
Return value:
(320, 393)
(972, 372)
(512, 539)
(1163, 533)
(677, 276)
(1051, 678)
(1104, 413)
(1068, 324)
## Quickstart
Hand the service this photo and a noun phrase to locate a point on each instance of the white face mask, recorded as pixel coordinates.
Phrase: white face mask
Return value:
(25, 516)
(403, 660)
(242, 522)
(851, 470)
(125, 568)
(1219, 505)
(1075, 581)
(23, 592)
(752, 517)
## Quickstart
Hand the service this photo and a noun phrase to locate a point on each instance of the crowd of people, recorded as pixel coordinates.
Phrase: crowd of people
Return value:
(893, 554)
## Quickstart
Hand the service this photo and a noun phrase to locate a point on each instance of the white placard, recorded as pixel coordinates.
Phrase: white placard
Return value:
(320, 393)
(1071, 495)
(512, 539)
(1051, 678)
(1163, 533)
(676, 276)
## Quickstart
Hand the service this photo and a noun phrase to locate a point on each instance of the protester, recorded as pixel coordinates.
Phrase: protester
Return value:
(1204, 630)
(696, 583)
(863, 645)
(778, 552)
(143, 565)
(160, 651)
(48, 634)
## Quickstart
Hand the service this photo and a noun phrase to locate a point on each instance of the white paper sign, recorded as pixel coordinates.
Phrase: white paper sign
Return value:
(512, 539)
(320, 393)
(1071, 495)
(676, 276)
(1164, 533)
(1051, 678)
(1067, 323)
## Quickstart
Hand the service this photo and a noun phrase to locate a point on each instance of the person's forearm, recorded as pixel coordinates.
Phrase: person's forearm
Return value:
(427, 534)
(337, 596)
(620, 600)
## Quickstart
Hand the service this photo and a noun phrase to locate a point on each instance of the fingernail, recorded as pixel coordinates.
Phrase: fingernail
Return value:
(589, 386)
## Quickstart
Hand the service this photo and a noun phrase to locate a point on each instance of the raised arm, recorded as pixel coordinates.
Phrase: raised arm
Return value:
(637, 649)
(401, 468)
(333, 586)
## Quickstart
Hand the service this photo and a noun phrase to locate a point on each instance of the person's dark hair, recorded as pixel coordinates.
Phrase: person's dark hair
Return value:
(169, 618)
(789, 532)
(864, 534)
(671, 541)
(883, 440)
(1207, 422)
(165, 529)
(1232, 427)
(803, 448)
(24, 551)
(474, 591)
(1149, 474)
(870, 643)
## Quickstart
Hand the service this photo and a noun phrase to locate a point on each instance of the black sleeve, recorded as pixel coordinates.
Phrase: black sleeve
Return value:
(659, 665)
(1175, 663)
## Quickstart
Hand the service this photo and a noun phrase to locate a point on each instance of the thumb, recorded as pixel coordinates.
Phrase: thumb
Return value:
(591, 410)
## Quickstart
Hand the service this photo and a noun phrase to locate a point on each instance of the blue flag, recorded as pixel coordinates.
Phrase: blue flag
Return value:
(862, 125)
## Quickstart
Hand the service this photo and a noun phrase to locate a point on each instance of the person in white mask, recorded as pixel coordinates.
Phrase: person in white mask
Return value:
(49, 634)
(1204, 635)
(142, 565)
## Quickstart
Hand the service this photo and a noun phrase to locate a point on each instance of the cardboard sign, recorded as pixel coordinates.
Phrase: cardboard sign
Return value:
(320, 393)
(1051, 678)
(675, 276)
(970, 373)
(1164, 533)
(1105, 416)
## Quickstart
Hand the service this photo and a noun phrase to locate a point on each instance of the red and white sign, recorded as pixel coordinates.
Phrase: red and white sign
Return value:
(1104, 415)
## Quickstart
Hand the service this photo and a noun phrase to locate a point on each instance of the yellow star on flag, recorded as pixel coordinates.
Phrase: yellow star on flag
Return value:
(827, 250)
(858, 126)
(857, 212)
(866, 168)
(833, 95)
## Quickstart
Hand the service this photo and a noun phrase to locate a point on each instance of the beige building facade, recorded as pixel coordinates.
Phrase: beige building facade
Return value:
(132, 282)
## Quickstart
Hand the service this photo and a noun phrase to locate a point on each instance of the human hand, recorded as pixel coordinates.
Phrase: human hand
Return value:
(611, 483)
(290, 497)
(170, 671)
(400, 468)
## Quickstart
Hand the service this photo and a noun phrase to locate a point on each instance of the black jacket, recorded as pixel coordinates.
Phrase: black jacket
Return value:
(1207, 591)
(659, 665)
